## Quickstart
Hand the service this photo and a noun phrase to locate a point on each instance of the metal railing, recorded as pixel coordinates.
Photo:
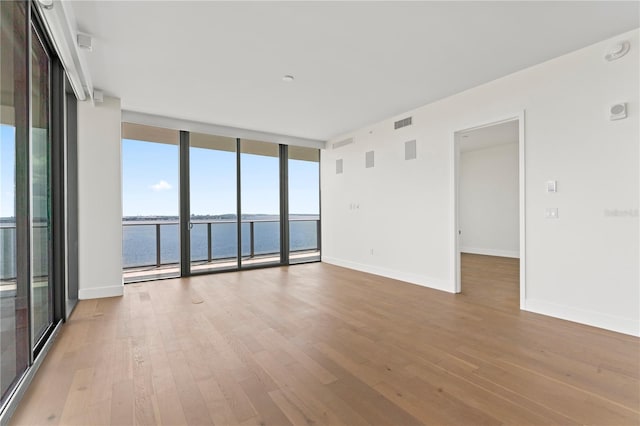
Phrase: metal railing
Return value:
(8, 249)
(210, 239)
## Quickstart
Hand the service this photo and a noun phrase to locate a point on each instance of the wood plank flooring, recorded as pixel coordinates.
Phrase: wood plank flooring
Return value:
(318, 344)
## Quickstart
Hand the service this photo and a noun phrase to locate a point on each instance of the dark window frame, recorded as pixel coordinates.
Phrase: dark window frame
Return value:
(23, 204)
(185, 213)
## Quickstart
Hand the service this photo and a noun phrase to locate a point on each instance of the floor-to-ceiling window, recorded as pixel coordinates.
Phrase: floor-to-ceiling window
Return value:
(14, 332)
(32, 179)
(260, 202)
(40, 189)
(227, 203)
(304, 204)
(213, 202)
(150, 202)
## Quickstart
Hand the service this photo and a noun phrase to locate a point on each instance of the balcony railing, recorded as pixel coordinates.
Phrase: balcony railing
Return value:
(39, 241)
(156, 244)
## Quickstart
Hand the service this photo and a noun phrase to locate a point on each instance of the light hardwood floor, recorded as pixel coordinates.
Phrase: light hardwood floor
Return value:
(318, 344)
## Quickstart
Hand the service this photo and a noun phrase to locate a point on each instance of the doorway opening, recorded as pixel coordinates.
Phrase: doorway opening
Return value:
(489, 237)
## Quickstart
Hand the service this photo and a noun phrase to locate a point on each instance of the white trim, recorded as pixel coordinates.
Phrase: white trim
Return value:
(217, 129)
(490, 252)
(583, 316)
(100, 292)
(454, 261)
(522, 189)
(416, 279)
(59, 23)
(454, 193)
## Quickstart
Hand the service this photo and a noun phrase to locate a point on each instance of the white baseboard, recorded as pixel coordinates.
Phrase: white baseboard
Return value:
(99, 292)
(491, 252)
(410, 278)
(582, 316)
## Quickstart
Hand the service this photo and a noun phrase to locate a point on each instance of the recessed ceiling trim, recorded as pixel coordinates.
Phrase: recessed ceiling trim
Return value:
(218, 130)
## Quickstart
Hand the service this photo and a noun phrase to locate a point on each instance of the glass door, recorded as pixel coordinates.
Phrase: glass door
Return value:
(150, 203)
(32, 187)
(213, 203)
(14, 229)
(260, 202)
(242, 203)
(304, 204)
(40, 190)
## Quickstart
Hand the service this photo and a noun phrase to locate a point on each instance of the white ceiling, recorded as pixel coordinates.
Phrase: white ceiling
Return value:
(354, 63)
(485, 137)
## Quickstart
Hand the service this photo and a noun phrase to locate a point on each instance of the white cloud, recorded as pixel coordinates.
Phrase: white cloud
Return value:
(163, 185)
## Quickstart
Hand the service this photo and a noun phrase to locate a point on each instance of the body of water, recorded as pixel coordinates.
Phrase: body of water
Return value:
(139, 240)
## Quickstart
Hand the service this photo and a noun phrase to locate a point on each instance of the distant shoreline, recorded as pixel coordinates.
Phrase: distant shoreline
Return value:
(217, 217)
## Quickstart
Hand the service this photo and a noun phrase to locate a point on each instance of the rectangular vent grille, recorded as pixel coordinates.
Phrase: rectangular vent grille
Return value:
(339, 166)
(402, 123)
(342, 143)
(368, 159)
(410, 150)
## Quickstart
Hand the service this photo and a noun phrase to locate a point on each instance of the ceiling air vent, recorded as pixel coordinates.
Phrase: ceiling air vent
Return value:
(402, 123)
(342, 143)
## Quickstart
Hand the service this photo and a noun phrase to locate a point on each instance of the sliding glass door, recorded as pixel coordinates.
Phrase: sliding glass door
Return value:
(32, 186)
(213, 202)
(40, 191)
(14, 151)
(260, 202)
(150, 202)
(234, 197)
(304, 204)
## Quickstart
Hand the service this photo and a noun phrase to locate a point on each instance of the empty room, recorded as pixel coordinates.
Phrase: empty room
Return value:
(319, 212)
(487, 171)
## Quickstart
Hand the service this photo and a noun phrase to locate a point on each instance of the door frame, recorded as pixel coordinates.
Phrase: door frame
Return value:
(455, 193)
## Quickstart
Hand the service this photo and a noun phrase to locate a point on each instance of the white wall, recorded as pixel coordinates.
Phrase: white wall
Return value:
(99, 199)
(582, 266)
(488, 196)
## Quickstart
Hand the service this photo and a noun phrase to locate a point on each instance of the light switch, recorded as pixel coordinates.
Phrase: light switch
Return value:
(551, 213)
(552, 186)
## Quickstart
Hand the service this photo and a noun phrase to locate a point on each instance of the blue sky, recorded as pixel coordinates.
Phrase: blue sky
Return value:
(151, 182)
(7, 170)
(150, 173)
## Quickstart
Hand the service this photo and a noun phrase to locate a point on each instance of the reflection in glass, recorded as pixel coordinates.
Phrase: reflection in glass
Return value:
(14, 337)
(41, 289)
(304, 204)
(260, 194)
(213, 176)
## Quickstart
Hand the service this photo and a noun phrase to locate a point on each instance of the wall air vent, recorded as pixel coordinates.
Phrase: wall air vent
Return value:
(369, 159)
(342, 143)
(410, 150)
(402, 123)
